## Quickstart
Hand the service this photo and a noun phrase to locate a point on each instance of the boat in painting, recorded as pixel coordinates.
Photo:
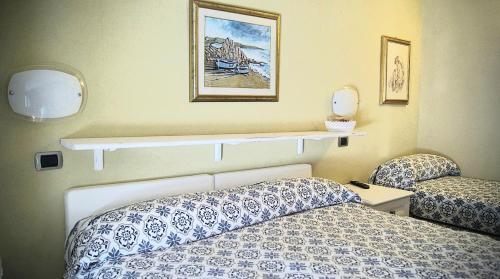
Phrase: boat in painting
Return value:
(225, 64)
(242, 69)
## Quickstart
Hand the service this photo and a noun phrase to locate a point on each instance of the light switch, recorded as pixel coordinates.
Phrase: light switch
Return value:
(48, 160)
(343, 141)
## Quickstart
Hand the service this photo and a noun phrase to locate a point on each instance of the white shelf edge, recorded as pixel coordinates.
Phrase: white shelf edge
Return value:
(99, 145)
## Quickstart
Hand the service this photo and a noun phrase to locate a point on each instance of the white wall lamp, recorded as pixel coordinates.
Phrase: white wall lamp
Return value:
(42, 93)
(344, 107)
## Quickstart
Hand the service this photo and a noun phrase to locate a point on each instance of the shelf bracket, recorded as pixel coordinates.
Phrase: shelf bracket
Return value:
(218, 152)
(98, 159)
(300, 146)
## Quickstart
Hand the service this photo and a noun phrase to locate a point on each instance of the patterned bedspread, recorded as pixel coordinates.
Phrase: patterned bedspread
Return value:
(461, 201)
(341, 241)
(291, 228)
(440, 194)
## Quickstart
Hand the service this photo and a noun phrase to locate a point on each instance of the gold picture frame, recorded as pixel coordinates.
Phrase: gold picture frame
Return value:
(394, 71)
(243, 66)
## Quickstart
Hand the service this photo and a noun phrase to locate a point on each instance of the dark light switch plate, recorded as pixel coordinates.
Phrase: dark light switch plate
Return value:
(343, 141)
(48, 160)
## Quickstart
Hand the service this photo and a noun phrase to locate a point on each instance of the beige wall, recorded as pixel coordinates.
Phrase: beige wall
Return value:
(134, 56)
(460, 100)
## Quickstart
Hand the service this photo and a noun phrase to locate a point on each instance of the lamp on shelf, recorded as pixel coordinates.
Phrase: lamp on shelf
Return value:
(344, 107)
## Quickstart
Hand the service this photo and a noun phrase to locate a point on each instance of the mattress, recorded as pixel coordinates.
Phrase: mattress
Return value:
(461, 201)
(318, 230)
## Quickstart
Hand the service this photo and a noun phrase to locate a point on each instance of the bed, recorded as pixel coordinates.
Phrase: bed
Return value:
(441, 194)
(282, 224)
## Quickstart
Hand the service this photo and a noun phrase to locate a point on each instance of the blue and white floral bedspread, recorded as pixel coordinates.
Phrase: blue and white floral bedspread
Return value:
(440, 194)
(461, 201)
(295, 228)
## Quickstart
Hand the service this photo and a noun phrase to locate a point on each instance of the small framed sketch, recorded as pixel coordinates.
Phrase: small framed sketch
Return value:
(234, 53)
(394, 71)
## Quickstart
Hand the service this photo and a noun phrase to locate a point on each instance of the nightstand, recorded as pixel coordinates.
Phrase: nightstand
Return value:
(391, 200)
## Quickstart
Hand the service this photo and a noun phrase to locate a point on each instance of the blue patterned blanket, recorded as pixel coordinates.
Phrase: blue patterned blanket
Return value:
(461, 201)
(440, 194)
(293, 228)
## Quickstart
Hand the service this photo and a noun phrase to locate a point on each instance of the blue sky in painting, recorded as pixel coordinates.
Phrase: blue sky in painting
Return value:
(242, 32)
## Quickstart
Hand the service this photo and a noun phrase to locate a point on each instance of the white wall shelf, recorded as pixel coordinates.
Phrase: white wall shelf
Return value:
(99, 145)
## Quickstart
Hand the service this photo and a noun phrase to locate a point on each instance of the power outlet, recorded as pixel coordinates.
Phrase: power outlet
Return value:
(343, 141)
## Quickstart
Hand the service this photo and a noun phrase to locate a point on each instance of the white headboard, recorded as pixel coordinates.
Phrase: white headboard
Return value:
(81, 202)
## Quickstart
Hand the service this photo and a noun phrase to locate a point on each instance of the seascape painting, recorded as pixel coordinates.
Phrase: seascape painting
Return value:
(395, 71)
(235, 53)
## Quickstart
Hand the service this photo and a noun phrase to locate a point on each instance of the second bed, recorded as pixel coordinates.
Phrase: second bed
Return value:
(441, 194)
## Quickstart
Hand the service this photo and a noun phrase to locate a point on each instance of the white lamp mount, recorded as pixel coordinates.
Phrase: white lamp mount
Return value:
(42, 93)
(344, 107)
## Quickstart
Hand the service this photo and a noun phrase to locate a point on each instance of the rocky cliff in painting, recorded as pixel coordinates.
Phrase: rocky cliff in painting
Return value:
(227, 49)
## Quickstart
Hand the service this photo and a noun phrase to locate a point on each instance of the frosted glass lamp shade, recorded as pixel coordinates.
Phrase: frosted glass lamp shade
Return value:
(345, 102)
(45, 94)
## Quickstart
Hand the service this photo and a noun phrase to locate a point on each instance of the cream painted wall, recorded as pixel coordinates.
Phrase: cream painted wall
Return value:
(460, 100)
(134, 56)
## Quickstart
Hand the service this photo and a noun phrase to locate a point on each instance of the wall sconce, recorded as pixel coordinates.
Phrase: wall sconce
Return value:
(344, 107)
(42, 94)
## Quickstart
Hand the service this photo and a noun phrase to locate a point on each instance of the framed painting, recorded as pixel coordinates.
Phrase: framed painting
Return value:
(234, 53)
(394, 71)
